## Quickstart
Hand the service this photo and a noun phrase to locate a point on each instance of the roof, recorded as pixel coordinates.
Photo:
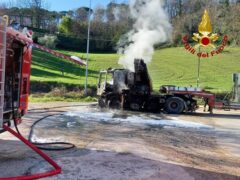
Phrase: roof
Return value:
(19, 36)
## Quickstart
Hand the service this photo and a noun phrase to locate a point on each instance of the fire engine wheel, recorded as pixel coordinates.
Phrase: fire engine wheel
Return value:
(174, 105)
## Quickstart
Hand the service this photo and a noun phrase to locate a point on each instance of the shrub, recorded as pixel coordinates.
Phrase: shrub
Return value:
(58, 91)
(48, 41)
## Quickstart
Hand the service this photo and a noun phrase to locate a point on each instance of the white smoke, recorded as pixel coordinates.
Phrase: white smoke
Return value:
(151, 27)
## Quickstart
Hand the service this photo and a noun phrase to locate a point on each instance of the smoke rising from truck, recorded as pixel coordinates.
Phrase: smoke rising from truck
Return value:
(151, 27)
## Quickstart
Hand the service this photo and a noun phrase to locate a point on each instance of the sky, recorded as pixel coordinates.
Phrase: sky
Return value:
(60, 5)
(65, 5)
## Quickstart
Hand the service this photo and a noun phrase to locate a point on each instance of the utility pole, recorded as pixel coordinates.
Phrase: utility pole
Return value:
(88, 44)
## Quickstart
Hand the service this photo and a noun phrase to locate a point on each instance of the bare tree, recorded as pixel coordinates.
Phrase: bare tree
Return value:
(81, 14)
(37, 7)
(99, 14)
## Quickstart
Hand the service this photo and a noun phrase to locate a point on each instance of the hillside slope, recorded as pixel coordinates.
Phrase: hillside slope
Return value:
(169, 66)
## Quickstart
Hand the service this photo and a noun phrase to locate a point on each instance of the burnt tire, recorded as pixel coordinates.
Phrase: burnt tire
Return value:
(114, 103)
(102, 103)
(135, 107)
(174, 105)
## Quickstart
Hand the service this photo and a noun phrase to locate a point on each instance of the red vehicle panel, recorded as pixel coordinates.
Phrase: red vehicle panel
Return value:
(17, 75)
(25, 81)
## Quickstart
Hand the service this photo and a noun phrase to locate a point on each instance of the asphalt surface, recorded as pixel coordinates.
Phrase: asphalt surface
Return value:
(127, 145)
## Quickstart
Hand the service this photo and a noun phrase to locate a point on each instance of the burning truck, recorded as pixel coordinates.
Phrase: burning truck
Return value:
(133, 91)
(124, 89)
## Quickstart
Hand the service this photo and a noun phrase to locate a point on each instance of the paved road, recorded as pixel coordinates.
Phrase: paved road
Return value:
(127, 145)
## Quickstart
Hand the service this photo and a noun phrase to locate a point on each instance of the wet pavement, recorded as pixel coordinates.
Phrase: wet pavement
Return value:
(128, 145)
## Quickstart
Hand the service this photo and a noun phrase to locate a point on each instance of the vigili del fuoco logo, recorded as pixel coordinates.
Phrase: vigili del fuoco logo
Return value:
(205, 40)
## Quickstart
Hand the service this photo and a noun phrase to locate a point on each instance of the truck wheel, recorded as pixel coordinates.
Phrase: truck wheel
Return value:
(174, 105)
(101, 103)
(135, 107)
(114, 103)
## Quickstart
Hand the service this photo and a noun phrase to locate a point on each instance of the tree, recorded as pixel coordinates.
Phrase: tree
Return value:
(99, 14)
(66, 25)
(225, 2)
(81, 14)
(110, 12)
(37, 7)
(180, 6)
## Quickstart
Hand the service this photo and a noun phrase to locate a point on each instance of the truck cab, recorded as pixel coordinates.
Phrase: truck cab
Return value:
(121, 88)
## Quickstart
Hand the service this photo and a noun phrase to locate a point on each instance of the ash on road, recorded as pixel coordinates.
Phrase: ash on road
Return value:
(127, 145)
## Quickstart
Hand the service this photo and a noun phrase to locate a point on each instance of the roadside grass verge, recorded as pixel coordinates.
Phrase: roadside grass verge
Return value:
(62, 94)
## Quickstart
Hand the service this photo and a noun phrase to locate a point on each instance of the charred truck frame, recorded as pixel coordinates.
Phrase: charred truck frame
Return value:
(123, 89)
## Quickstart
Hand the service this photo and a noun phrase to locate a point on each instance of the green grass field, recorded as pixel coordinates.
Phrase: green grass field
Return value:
(172, 66)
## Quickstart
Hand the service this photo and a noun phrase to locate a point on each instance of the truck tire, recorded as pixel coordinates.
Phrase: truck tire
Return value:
(135, 107)
(102, 103)
(174, 105)
(114, 103)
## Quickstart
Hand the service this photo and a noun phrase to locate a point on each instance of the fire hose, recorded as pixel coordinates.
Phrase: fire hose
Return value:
(57, 168)
(40, 145)
(36, 147)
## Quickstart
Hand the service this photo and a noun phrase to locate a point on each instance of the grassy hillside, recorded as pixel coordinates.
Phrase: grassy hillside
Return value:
(169, 66)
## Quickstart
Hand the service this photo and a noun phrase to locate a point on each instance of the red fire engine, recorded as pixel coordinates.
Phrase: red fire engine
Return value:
(15, 69)
(15, 66)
